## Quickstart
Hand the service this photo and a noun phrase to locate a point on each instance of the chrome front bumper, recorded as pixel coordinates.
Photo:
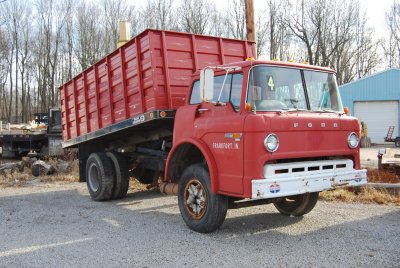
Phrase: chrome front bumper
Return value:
(305, 177)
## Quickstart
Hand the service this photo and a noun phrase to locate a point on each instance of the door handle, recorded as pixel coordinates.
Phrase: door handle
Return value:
(202, 110)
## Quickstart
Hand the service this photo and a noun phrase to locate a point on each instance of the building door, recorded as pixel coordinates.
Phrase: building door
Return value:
(378, 115)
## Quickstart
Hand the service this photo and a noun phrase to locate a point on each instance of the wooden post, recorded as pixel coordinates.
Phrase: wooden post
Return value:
(250, 26)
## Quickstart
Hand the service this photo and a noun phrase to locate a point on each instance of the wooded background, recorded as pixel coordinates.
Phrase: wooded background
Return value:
(44, 43)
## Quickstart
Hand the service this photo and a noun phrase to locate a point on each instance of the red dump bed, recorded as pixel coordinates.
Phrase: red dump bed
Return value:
(151, 72)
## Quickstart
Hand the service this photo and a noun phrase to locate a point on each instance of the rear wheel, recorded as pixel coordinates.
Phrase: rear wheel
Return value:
(201, 210)
(397, 142)
(121, 182)
(99, 176)
(297, 205)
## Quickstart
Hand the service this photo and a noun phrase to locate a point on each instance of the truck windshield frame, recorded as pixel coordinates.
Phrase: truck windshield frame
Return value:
(276, 88)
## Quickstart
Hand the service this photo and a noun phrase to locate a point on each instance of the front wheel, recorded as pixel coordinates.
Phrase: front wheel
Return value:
(297, 205)
(202, 211)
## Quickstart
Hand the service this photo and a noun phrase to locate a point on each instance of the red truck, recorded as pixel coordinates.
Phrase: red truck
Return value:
(221, 129)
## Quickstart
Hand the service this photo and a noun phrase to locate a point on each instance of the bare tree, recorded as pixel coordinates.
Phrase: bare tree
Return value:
(332, 32)
(159, 14)
(392, 45)
(195, 16)
(262, 35)
(236, 20)
(112, 12)
(88, 34)
(24, 63)
(277, 31)
(5, 60)
(51, 21)
(67, 48)
(16, 18)
(220, 22)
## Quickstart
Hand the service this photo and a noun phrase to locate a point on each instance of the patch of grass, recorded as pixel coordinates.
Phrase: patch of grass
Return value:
(136, 186)
(367, 195)
(22, 178)
(15, 178)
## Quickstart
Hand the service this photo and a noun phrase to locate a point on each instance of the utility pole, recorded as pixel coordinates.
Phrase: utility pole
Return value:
(250, 26)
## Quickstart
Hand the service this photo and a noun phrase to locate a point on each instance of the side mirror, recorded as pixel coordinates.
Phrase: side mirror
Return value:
(207, 84)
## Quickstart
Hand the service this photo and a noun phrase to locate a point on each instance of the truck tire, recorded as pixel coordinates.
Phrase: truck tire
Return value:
(121, 182)
(99, 176)
(397, 142)
(201, 210)
(297, 205)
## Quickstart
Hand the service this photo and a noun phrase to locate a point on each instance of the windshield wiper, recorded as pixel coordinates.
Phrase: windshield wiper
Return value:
(325, 111)
(285, 110)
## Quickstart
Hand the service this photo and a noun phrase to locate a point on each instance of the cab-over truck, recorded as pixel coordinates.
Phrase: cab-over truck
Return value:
(220, 129)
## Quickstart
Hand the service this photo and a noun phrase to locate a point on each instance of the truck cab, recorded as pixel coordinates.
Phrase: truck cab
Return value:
(261, 130)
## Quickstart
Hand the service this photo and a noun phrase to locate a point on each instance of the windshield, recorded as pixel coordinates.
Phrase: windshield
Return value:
(278, 89)
(322, 91)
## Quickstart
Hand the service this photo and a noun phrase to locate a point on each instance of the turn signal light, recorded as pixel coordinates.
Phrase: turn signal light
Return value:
(237, 136)
(346, 110)
(248, 106)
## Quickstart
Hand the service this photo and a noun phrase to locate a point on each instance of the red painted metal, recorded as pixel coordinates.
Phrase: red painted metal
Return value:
(86, 102)
(151, 72)
(123, 73)
(75, 108)
(95, 109)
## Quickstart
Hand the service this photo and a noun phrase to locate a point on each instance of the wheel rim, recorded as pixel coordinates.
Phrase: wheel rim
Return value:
(93, 179)
(195, 199)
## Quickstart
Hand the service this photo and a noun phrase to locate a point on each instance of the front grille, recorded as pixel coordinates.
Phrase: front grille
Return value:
(306, 168)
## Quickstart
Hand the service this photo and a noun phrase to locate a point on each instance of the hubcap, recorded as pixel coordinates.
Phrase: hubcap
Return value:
(93, 179)
(195, 199)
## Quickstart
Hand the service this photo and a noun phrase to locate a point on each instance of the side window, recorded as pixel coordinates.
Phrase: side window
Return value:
(222, 93)
(195, 97)
(236, 90)
(231, 92)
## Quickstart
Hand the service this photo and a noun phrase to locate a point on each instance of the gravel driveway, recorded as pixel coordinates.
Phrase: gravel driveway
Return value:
(57, 225)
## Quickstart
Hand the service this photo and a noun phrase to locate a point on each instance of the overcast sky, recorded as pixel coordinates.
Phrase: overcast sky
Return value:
(376, 12)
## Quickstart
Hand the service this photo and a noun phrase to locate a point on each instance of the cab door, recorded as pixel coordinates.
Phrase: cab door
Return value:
(220, 125)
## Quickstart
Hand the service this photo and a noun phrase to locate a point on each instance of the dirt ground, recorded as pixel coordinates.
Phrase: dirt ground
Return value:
(58, 225)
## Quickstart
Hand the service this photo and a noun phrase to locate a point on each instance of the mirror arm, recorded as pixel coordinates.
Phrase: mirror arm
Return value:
(223, 84)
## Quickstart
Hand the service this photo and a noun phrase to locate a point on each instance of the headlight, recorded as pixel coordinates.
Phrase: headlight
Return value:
(352, 140)
(271, 143)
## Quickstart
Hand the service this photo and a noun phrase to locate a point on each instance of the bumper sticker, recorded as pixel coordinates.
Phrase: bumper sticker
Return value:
(274, 188)
(358, 177)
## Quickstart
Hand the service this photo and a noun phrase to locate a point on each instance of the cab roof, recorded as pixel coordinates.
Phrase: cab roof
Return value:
(249, 63)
